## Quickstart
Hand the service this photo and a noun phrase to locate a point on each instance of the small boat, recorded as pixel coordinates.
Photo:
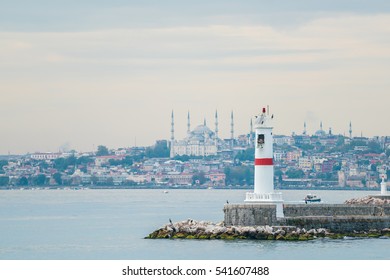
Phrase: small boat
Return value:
(165, 191)
(312, 198)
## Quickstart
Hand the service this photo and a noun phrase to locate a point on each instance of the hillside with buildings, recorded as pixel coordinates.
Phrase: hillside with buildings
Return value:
(202, 159)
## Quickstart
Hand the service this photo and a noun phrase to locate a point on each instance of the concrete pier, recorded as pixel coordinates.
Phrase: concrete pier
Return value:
(334, 217)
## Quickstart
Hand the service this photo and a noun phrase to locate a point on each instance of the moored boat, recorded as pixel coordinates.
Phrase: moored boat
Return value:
(312, 198)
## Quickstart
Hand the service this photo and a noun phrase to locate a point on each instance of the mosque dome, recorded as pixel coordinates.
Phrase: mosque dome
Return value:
(202, 129)
(320, 132)
(200, 133)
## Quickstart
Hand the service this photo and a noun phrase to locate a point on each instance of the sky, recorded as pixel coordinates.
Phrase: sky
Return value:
(78, 74)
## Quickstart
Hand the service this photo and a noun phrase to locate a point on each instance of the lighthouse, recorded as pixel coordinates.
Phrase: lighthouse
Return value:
(264, 192)
(383, 185)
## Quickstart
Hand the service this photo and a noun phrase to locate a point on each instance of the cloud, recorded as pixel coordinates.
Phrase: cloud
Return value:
(113, 84)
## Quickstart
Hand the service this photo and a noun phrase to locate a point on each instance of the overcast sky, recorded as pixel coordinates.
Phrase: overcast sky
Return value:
(86, 73)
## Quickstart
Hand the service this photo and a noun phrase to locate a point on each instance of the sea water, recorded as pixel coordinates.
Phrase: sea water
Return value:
(111, 224)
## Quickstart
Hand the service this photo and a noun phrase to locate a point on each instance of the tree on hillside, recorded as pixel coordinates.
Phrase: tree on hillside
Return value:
(198, 178)
(2, 164)
(102, 151)
(248, 154)
(23, 181)
(84, 160)
(58, 178)
(182, 158)
(159, 150)
(39, 180)
(295, 173)
(62, 164)
(239, 175)
(4, 180)
(374, 147)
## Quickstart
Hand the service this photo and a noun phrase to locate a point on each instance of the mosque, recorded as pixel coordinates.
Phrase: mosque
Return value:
(202, 141)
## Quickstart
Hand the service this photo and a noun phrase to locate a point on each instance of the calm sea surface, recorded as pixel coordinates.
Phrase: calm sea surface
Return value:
(111, 224)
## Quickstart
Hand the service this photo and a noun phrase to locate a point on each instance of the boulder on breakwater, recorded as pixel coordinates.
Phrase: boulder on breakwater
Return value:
(191, 229)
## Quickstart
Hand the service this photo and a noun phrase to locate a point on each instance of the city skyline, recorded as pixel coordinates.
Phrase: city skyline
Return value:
(97, 73)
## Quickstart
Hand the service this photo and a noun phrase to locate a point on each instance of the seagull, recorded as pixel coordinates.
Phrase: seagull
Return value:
(170, 220)
(227, 201)
(272, 116)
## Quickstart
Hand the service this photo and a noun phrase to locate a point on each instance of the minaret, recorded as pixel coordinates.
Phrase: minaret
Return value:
(350, 130)
(251, 134)
(264, 167)
(216, 127)
(231, 128)
(172, 153)
(304, 128)
(204, 121)
(321, 125)
(330, 131)
(188, 123)
(172, 128)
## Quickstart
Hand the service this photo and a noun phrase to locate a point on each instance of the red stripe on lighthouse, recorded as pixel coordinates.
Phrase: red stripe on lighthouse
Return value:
(264, 161)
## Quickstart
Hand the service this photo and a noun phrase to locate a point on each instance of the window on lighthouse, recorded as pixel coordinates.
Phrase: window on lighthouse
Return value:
(260, 140)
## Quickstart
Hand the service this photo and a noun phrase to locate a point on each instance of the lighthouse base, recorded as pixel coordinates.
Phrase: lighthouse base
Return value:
(267, 199)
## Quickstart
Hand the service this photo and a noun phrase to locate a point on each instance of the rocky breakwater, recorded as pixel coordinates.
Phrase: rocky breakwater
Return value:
(369, 200)
(191, 229)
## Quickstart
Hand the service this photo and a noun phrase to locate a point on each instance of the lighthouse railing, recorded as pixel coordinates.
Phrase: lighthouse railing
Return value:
(264, 196)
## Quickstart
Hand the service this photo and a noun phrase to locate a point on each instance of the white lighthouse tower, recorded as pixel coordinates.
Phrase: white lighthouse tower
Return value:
(383, 185)
(264, 168)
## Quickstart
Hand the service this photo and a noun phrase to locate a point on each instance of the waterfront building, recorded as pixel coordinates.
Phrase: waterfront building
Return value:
(216, 178)
(45, 156)
(178, 178)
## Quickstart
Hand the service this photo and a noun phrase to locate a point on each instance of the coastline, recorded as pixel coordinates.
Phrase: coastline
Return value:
(180, 187)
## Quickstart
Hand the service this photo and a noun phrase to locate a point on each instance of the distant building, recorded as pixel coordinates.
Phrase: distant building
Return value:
(217, 178)
(45, 156)
(293, 155)
(199, 142)
(281, 140)
(327, 166)
(202, 141)
(279, 156)
(177, 178)
(101, 160)
(305, 163)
